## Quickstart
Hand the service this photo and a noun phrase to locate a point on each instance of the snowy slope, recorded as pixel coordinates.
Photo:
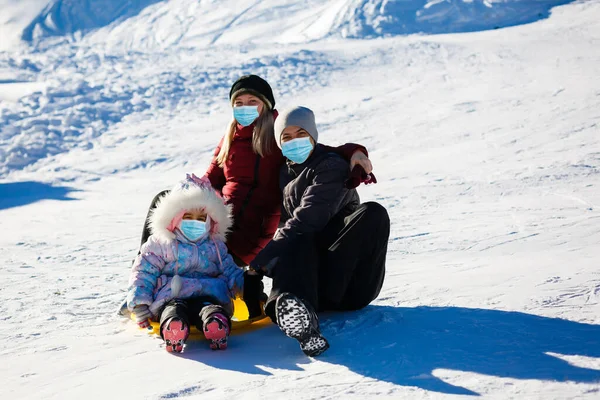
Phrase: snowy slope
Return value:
(15, 16)
(180, 22)
(64, 81)
(487, 150)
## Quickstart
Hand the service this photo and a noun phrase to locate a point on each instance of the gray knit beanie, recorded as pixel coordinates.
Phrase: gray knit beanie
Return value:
(296, 116)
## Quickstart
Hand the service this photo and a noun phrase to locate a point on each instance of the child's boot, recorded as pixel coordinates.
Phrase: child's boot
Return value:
(298, 320)
(216, 327)
(175, 332)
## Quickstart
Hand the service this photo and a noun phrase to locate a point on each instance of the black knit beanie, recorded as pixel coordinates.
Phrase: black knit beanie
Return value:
(254, 85)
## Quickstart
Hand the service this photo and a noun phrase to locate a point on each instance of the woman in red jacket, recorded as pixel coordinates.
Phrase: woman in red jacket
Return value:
(245, 169)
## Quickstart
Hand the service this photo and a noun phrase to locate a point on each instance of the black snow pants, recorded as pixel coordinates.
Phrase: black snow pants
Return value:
(193, 311)
(339, 268)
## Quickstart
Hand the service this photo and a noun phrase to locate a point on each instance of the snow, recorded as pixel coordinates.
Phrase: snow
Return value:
(486, 145)
(15, 15)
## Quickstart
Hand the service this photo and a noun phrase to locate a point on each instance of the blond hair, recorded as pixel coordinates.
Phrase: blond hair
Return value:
(263, 139)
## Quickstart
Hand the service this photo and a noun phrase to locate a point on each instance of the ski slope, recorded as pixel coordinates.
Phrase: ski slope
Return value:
(483, 123)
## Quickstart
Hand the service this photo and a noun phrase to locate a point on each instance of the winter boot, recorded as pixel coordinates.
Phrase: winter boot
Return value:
(216, 329)
(297, 320)
(175, 332)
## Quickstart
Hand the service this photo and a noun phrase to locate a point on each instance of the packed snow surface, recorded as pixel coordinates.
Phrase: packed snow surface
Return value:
(482, 119)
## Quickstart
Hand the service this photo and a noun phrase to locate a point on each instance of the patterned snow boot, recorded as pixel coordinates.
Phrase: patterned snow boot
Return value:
(297, 320)
(175, 332)
(216, 329)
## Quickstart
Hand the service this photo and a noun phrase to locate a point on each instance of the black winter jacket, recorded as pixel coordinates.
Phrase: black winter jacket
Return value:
(313, 193)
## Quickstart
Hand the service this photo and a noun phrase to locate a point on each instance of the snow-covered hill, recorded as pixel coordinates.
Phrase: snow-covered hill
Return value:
(486, 144)
(203, 23)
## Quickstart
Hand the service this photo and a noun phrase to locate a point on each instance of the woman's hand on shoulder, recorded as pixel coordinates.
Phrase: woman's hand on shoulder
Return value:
(361, 171)
(359, 158)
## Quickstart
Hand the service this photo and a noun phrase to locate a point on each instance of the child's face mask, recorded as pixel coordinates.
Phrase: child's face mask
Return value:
(192, 229)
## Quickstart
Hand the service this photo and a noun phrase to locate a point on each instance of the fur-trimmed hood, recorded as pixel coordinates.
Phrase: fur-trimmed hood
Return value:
(189, 194)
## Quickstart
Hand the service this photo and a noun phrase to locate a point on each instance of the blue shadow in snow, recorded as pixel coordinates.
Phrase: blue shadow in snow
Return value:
(401, 17)
(404, 346)
(15, 194)
(64, 17)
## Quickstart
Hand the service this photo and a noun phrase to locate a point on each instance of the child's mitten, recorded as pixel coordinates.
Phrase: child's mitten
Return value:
(142, 316)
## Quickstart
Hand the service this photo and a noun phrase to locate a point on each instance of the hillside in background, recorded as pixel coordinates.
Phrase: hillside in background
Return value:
(100, 31)
(181, 22)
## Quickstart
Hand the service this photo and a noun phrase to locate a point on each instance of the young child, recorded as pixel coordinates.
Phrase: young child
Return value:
(184, 274)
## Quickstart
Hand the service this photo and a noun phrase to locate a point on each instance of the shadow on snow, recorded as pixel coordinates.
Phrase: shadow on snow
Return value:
(398, 17)
(64, 17)
(404, 346)
(15, 194)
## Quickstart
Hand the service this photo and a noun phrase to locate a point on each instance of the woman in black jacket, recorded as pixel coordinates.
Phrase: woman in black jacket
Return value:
(329, 252)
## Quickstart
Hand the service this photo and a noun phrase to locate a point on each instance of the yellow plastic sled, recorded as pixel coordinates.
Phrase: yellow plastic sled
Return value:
(240, 323)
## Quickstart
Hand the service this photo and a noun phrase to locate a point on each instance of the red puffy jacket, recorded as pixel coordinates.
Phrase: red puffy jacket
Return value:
(251, 184)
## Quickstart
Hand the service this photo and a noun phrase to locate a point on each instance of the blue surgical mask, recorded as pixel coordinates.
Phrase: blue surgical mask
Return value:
(297, 150)
(245, 115)
(192, 229)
